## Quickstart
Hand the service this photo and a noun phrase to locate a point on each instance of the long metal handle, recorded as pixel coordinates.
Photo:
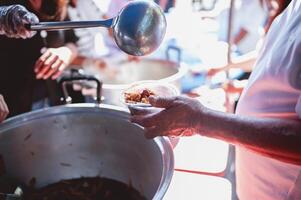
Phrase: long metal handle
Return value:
(70, 25)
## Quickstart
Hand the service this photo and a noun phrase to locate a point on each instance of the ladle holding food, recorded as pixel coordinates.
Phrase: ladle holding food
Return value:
(138, 29)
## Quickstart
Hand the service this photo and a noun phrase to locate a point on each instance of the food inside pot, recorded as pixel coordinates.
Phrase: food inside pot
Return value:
(83, 189)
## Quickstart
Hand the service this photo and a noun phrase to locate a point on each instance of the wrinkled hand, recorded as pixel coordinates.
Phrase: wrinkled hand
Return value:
(179, 116)
(3, 109)
(13, 20)
(53, 62)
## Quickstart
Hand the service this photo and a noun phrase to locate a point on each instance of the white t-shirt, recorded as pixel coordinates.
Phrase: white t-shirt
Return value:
(91, 41)
(252, 17)
(249, 15)
(274, 90)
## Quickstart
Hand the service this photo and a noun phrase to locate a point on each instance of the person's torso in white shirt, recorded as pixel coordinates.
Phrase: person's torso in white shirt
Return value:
(274, 90)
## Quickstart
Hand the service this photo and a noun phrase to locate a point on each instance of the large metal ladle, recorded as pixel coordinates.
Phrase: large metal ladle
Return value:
(138, 29)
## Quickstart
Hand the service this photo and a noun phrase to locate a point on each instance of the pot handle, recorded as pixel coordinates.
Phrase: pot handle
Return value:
(77, 76)
(177, 50)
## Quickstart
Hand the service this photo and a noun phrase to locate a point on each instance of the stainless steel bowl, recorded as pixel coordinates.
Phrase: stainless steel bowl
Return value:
(85, 140)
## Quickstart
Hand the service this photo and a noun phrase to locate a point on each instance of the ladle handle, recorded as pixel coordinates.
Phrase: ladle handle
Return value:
(70, 25)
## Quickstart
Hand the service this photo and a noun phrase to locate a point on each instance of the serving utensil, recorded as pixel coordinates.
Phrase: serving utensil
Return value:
(138, 29)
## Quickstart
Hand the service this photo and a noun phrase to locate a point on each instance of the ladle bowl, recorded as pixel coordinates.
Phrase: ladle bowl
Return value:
(138, 29)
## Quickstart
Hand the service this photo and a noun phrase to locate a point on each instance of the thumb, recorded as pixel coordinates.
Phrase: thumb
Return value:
(162, 102)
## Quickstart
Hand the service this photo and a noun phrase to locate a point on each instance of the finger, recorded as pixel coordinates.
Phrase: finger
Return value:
(179, 132)
(41, 60)
(162, 102)
(5, 108)
(47, 65)
(53, 69)
(153, 132)
(148, 120)
(160, 130)
(5, 113)
(2, 112)
(59, 71)
(29, 18)
(136, 110)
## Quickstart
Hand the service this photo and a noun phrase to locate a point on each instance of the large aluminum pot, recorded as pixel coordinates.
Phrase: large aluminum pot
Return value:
(85, 140)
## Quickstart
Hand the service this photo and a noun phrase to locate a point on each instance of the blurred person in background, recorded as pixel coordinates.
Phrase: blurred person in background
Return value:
(166, 4)
(246, 30)
(95, 43)
(26, 64)
(247, 60)
(266, 128)
(12, 24)
(91, 42)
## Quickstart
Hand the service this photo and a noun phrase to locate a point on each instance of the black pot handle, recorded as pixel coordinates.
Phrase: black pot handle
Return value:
(177, 50)
(77, 76)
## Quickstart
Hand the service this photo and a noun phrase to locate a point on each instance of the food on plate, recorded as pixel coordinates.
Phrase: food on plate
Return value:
(138, 93)
(139, 96)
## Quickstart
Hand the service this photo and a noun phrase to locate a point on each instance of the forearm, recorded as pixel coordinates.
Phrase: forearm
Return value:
(276, 138)
(244, 62)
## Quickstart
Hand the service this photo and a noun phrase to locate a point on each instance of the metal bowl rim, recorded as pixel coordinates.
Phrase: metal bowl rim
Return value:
(181, 67)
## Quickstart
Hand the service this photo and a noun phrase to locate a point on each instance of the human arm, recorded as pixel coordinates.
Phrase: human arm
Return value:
(13, 20)
(276, 138)
(3, 109)
(53, 62)
(85, 61)
(244, 62)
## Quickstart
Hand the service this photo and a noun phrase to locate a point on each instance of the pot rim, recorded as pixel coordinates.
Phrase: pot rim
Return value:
(182, 70)
(163, 143)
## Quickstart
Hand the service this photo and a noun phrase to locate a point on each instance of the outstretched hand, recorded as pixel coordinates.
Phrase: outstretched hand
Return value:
(171, 116)
(53, 62)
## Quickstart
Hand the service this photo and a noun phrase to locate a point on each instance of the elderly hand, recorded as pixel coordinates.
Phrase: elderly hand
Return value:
(3, 109)
(179, 117)
(53, 62)
(13, 20)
